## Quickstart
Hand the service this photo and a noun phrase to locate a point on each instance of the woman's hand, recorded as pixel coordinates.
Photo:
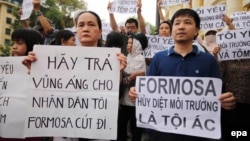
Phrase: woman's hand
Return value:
(216, 50)
(228, 101)
(29, 59)
(132, 94)
(123, 61)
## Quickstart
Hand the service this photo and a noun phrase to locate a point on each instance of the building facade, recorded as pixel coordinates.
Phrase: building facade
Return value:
(6, 20)
(231, 6)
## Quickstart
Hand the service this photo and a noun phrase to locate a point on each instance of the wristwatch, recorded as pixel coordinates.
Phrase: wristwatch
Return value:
(38, 13)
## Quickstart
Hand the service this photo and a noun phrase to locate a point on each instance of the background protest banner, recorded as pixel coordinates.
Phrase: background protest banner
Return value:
(211, 17)
(106, 29)
(241, 19)
(180, 105)
(173, 2)
(235, 44)
(73, 92)
(156, 44)
(13, 98)
(124, 6)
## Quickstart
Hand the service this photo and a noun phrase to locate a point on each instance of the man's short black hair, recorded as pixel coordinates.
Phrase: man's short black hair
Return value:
(187, 12)
(132, 20)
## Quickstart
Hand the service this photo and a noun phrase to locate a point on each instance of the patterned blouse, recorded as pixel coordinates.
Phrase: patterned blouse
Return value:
(236, 78)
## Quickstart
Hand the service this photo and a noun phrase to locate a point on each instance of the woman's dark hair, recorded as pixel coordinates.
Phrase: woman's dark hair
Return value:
(62, 34)
(29, 36)
(99, 22)
(210, 32)
(114, 39)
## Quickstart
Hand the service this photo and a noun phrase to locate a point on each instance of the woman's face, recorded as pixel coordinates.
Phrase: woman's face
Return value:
(88, 30)
(19, 48)
(164, 30)
(70, 42)
(129, 45)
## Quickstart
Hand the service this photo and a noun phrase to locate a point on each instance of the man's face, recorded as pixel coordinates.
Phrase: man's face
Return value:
(184, 29)
(131, 27)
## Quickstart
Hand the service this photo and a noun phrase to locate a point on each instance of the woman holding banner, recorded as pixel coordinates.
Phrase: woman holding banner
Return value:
(89, 31)
(23, 41)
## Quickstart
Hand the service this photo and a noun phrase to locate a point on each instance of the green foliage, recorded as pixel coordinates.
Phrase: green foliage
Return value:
(58, 11)
(16, 24)
(4, 51)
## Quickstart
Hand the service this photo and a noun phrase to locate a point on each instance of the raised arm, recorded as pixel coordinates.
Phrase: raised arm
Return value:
(47, 28)
(160, 10)
(140, 18)
(112, 20)
(228, 21)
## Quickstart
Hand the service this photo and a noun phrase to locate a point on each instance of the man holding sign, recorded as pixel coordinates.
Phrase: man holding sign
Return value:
(184, 60)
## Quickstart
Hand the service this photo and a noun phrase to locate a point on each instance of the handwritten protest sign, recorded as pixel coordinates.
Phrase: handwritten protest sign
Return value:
(27, 8)
(73, 92)
(241, 19)
(156, 44)
(124, 6)
(13, 97)
(173, 2)
(181, 105)
(211, 17)
(235, 44)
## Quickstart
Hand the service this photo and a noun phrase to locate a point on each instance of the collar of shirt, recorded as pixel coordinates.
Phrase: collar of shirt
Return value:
(195, 51)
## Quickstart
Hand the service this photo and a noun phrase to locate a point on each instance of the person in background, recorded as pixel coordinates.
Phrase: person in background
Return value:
(185, 27)
(165, 29)
(42, 24)
(210, 43)
(23, 41)
(114, 39)
(136, 67)
(65, 38)
(89, 31)
(132, 26)
(210, 37)
(236, 79)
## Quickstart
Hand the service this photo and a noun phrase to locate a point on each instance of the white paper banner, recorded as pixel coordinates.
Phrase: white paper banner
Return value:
(124, 6)
(180, 105)
(211, 17)
(235, 44)
(13, 97)
(73, 92)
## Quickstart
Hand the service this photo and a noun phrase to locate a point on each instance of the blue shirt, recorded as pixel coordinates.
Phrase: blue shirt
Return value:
(194, 64)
